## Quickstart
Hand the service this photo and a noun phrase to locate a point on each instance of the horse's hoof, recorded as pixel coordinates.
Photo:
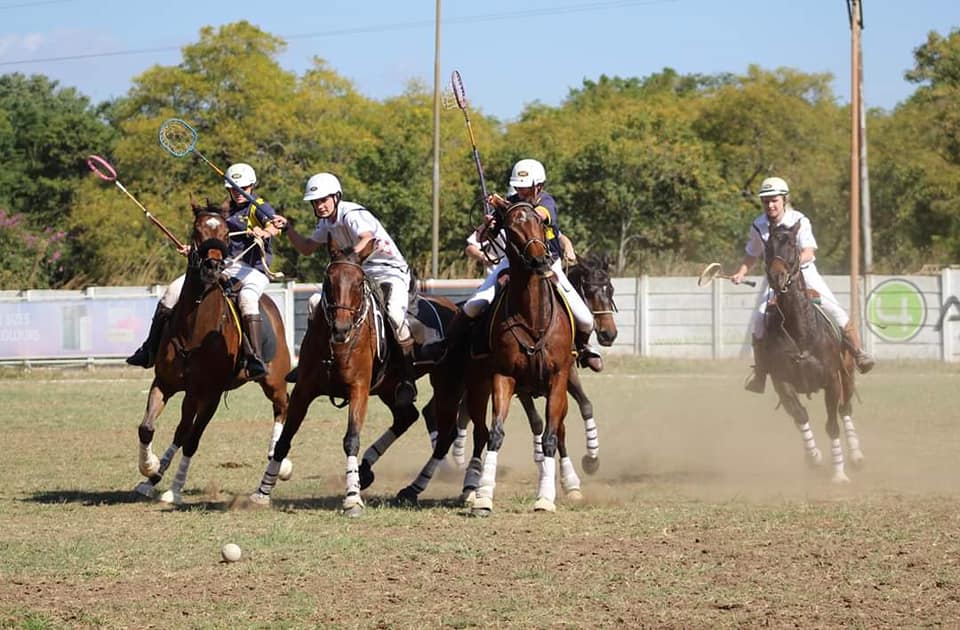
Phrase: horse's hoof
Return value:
(286, 470)
(354, 511)
(480, 512)
(482, 503)
(407, 498)
(259, 499)
(814, 458)
(150, 467)
(589, 464)
(172, 497)
(468, 497)
(366, 475)
(856, 460)
(574, 495)
(544, 505)
(840, 478)
(146, 489)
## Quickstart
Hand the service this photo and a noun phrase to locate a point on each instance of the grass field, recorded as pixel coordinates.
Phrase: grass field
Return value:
(703, 514)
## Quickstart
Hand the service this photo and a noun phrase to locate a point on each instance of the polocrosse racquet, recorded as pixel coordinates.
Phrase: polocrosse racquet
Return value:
(460, 94)
(105, 171)
(712, 271)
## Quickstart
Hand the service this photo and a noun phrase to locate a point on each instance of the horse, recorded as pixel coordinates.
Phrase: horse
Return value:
(345, 354)
(531, 341)
(804, 353)
(200, 355)
(590, 277)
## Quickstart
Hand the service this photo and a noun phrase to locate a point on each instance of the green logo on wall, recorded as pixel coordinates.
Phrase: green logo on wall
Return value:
(896, 310)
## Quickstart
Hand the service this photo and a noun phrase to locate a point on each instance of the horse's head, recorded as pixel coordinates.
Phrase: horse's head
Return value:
(782, 257)
(345, 293)
(209, 242)
(591, 277)
(526, 237)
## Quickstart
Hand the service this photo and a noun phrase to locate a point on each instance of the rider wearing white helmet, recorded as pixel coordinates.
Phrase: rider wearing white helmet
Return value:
(350, 225)
(527, 179)
(247, 222)
(774, 197)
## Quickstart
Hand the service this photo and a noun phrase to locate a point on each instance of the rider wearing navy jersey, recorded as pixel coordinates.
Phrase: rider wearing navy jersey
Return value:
(527, 179)
(247, 222)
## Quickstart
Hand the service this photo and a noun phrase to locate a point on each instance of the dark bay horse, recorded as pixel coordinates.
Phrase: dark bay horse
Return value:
(804, 353)
(200, 354)
(531, 341)
(342, 356)
(590, 277)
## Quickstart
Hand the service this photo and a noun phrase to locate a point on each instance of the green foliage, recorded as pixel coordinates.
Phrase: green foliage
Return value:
(31, 258)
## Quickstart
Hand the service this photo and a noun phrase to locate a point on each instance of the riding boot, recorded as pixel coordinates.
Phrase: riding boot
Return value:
(146, 354)
(256, 370)
(587, 356)
(757, 382)
(864, 361)
(406, 391)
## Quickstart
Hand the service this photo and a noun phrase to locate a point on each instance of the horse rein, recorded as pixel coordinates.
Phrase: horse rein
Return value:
(359, 313)
(521, 253)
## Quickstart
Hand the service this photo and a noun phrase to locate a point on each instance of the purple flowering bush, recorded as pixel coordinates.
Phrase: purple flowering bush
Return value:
(32, 259)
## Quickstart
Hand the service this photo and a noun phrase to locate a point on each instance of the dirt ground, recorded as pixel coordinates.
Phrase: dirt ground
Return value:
(703, 514)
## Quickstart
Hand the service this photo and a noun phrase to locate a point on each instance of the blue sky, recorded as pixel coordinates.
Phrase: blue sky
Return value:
(509, 53)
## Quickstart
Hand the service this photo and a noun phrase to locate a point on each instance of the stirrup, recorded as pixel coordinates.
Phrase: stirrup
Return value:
(588, 357)
(256, 370)
(864, 362)
(291, 376)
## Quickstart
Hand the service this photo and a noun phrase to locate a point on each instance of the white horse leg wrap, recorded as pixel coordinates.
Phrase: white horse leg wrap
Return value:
(277, 430)
(853, 442)
(593, 437)
(548, 480)
(471, 480)
(167, 458)
(353, 476)
(488, 480)
(378, 448)
(180, 479)
(423, 479)
(836, 455)
(269, 480)
(568, 476)
(807, 433)
(459, 446)
(538, 448)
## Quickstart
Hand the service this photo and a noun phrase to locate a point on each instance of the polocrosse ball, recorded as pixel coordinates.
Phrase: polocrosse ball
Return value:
(230, 552)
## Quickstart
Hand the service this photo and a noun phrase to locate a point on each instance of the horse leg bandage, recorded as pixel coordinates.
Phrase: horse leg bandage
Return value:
(593, 437)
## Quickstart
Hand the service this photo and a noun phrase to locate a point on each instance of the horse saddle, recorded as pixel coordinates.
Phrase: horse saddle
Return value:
(425, 324)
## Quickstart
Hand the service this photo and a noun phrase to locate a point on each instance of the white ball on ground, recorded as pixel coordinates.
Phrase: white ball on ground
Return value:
(230, 552)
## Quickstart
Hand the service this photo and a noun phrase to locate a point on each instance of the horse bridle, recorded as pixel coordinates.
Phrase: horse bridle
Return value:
(359, 314)
(792, 272)
(600, 286)
(521, 252)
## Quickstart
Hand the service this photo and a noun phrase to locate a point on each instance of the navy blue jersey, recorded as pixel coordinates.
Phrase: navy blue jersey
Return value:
(242, 219)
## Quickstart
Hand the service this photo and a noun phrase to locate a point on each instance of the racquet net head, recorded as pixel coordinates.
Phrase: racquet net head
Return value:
(458, 92)
(448, 100)
(177, 137)
(101, 168)
(711, 272)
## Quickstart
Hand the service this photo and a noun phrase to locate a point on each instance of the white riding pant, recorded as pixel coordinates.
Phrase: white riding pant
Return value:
(814, 281)
(253, 284)
(396, 301)
(479, 301)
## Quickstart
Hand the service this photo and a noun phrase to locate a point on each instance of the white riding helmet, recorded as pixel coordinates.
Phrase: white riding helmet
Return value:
(321, 185)
(773, 186)
(527, 173)
(240, 174)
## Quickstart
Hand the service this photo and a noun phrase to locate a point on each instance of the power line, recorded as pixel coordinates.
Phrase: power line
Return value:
(383, 28)
(23, 5)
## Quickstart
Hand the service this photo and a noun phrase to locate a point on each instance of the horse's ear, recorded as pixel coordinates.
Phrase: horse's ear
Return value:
(795, 229)
(223, 208)
(194, 204)
(367, 249)
(330, 250)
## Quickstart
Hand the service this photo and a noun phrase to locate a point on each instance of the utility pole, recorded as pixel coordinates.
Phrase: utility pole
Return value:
(855, 15)
(864, 172)
(435, 250)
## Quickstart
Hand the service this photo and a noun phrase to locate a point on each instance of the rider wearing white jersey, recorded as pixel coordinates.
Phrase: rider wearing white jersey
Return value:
(774, 194)
(351, 226)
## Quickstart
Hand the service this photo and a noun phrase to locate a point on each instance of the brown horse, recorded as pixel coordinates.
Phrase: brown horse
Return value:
(805, 353)
(200, 355)
(342, 356)
(531, 341)
(590, 277)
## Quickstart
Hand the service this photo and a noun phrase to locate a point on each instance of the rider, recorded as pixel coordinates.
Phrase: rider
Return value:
(246, 224)
(351, 226)
(527, 179)
(774, 197)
